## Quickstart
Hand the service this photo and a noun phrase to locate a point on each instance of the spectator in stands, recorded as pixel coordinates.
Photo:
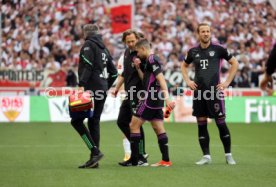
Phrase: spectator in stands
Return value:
(32, 91)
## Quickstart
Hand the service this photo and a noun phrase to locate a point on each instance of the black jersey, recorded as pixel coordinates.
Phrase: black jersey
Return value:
(271, 62)
(96, 69)
(130, 74)
(151, 85)
(207, 64)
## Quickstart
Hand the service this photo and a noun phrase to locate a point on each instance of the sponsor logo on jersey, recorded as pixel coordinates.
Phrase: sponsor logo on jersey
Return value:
(197, 55)
(204, 63)
(86, 49)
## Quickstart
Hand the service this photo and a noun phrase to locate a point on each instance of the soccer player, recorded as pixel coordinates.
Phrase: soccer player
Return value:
(130, 78)
(270, 69)
(97, 74)
(208, 96)
(150, 106)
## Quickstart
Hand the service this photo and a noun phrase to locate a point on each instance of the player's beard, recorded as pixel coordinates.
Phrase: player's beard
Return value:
(205, 40)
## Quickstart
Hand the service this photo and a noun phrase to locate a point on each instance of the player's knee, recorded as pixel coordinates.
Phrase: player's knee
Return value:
(93, 121)
(220, 120)
(155, 128)
(158, 129)
(75, 122)
(119, 122)
(133, 127)
(201, 120)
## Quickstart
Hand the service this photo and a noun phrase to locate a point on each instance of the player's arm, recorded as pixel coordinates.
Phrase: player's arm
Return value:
(111, 69)
(113, 73)
(270, 68)
(87, 56)
(232, 72)
(119, 84)
(184, 69)
(271, 62)
(120, 80)
(164, 88)
(137, 63)
(157, 71)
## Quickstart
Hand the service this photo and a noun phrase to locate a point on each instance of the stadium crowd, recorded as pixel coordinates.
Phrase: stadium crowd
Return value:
(47, 36)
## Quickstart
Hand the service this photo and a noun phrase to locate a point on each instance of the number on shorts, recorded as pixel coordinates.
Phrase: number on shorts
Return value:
(216, 106)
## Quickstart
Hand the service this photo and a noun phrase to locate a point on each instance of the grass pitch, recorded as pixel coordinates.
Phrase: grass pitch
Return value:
(47, 154)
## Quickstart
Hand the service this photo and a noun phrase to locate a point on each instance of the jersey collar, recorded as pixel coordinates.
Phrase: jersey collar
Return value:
(205, 48)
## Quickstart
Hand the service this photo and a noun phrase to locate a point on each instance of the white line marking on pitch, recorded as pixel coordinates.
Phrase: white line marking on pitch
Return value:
(116, 145)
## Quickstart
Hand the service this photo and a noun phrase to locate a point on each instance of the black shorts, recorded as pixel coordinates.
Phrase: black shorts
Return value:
(212, 107)
(148, 114)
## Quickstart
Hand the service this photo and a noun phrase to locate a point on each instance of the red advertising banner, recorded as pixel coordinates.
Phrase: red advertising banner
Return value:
(22, 78)
(121, 17)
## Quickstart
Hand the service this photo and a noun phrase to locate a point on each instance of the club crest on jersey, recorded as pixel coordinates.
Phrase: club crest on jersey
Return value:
(212, 53)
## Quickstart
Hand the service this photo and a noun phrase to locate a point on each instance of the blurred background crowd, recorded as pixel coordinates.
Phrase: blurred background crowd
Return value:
(46, 34)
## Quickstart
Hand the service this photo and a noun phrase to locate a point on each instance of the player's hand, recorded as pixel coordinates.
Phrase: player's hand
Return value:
(192, 85)
(170, 104)
(222, 86)
(264, 82)
(137, 62)
(80, 89)
(269, 91)
(114, 92)
(169, 108)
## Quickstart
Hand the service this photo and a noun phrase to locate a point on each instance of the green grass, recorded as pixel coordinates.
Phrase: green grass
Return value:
(47, 154)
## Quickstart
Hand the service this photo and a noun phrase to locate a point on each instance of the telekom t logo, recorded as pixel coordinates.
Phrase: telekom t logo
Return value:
(204, 63)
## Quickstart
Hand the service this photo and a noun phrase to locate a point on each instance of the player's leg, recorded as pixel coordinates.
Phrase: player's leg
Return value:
(96, 155)
(204, 141)
(135, 137)
(216, 109)
(124, 118)
(123, 123)
(142, 144)
(135, 104)
(158, 126)
(225, 137)
(200, 110)
(94, 122)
